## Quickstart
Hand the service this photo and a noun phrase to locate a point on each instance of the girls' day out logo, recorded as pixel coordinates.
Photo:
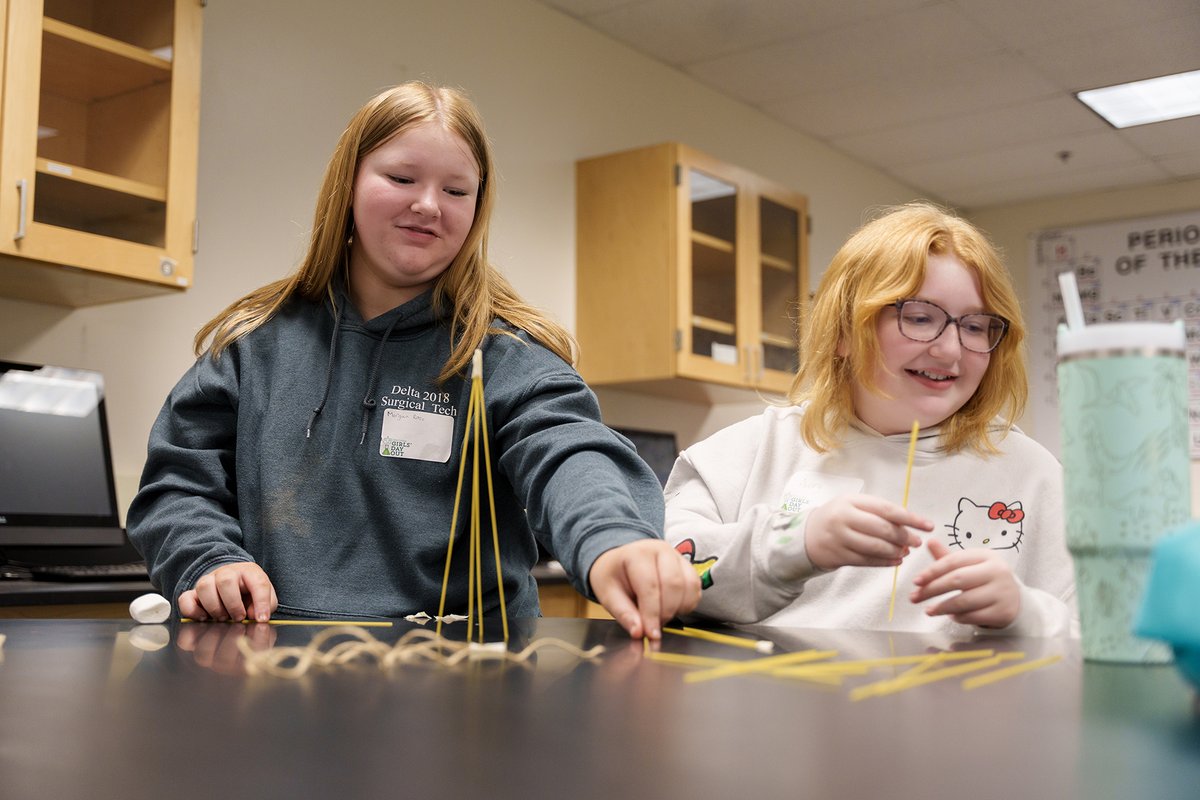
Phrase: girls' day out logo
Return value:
(394, 447)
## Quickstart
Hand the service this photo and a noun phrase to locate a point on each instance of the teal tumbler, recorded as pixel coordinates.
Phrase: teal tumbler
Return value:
(1123, 394)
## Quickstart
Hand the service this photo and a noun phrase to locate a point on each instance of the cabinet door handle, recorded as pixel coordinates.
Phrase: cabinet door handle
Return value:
(761, 363)
(21, 208)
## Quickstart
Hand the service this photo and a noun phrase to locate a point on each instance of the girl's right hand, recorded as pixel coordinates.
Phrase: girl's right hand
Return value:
(231, 592)
(861, 530)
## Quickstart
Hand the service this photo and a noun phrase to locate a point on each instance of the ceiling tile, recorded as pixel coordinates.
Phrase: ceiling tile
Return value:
(967, 100)
(1024, 23)
(1184, 165)
(585, 8)
(1167, 138)
(904, 98)
(1051, 185)
(1034, 160)
(1078, 62)
(681, 32)
(1002, 126)
(929, 36)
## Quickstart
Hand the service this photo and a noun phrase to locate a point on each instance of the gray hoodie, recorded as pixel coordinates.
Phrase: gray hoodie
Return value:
(321, 447)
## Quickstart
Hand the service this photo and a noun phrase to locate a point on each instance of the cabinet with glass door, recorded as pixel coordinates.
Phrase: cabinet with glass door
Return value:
(100, 126)
(689, 270)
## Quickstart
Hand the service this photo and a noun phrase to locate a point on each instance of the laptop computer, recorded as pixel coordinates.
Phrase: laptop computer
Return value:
(58, 502)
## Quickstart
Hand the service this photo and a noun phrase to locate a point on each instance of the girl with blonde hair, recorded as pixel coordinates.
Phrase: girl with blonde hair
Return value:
(307, 463)
(795, 517)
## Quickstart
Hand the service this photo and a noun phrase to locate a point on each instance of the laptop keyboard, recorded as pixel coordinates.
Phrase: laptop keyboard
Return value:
(89, 572)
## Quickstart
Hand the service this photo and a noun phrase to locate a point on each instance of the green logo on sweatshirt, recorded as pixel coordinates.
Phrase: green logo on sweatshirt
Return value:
(394, 447)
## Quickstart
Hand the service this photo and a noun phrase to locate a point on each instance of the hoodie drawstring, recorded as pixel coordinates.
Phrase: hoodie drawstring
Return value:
(369, 402)
(333, 343)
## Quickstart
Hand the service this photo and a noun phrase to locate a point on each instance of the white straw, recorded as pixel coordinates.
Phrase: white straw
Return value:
(1070, 298)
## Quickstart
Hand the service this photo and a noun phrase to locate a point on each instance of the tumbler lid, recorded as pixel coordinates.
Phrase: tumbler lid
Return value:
(1117, 337)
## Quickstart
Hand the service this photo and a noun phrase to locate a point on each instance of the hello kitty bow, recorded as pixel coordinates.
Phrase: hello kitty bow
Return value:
(1000, 511)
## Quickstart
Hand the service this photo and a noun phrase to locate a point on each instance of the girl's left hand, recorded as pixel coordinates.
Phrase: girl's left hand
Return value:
(990, 596)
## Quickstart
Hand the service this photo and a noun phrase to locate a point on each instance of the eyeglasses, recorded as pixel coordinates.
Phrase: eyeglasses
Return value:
(923, 321)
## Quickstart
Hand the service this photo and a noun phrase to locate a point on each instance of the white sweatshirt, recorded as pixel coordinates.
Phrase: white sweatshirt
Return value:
(738, 503)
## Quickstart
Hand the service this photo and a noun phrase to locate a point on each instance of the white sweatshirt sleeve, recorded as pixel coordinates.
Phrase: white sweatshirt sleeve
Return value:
(752, 560)
(1042, 614)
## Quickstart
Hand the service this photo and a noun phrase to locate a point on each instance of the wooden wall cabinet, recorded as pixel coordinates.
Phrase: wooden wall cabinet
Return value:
(691, 273)
(100, 122)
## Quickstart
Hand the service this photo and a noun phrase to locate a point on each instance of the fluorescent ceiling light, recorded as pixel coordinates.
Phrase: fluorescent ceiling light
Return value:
(1142, 102)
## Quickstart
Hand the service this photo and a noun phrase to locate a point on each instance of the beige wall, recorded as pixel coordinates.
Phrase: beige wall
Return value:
(280, 79)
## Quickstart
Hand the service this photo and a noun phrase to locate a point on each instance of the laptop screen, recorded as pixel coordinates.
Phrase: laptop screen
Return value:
(657, 448)
(56, 479)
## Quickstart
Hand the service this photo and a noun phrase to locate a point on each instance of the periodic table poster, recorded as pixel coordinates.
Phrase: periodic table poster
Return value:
(1140, 269)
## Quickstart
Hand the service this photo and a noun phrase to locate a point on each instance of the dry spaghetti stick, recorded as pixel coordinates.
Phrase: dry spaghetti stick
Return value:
(893, 685)
(759, 665)
(912, 449)
(861, 666)
(475, 430)
(487, 463)
(761, 646)
(474, 579)
(1008, 672)
(820, 679)
(920, 669)
(808, 670)
(462, 464)
(901, 681)
(359, 623)
(689, 661)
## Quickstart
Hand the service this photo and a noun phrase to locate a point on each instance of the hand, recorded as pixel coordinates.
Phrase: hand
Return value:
(861, 530)
(990, 595)
(223, 594)
(643, 584)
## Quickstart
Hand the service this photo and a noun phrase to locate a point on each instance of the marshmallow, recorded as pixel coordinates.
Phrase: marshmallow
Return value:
(150, 608)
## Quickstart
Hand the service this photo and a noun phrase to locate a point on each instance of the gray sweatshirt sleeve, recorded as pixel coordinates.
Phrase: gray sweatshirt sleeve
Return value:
(184, 518)
(583, 486)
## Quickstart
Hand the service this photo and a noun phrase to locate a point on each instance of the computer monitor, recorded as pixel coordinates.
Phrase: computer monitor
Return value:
(58, 500)
(657, 448)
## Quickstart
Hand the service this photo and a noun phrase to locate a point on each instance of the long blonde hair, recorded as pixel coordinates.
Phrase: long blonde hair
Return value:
(884, 261)
(471, 286)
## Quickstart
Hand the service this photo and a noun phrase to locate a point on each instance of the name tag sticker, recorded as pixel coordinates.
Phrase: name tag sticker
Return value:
(416, 434)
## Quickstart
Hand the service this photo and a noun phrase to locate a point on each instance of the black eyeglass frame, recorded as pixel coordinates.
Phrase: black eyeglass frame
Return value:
(899, 306)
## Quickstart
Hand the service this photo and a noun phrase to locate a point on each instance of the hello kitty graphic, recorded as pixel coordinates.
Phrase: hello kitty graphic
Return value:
(997, 526)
